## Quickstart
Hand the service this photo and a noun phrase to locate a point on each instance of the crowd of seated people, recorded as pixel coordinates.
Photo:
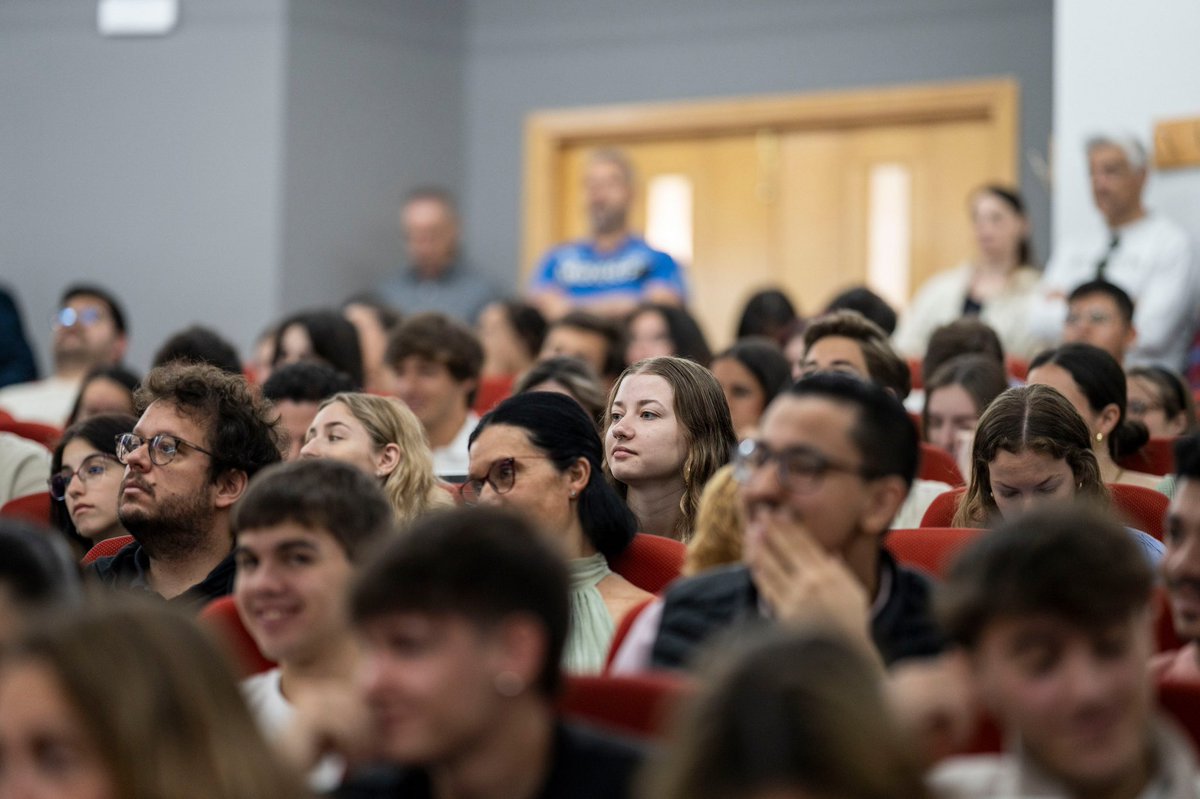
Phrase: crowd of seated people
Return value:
(463, 545)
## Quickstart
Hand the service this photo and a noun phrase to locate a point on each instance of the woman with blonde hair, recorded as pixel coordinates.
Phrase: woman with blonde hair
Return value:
(131, 701)
(1033, 447)
(385, 439)
(667, 431)
(719, 522)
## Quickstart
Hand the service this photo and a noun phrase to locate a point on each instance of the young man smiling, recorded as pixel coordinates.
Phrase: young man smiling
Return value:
(301, 530)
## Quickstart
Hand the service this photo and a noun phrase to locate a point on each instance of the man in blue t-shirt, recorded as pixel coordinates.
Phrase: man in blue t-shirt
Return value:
(614, 270)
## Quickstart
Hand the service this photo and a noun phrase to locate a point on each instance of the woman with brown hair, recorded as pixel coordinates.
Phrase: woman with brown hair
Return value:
(791, 716)
(1032, 447)
(668, 430)
(383, 438)
(128, 701)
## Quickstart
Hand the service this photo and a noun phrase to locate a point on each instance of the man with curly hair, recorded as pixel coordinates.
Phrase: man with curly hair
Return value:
(202, 435)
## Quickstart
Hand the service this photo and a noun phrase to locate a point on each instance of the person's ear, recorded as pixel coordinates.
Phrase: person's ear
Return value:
(1106, 420)
(578, 474)
(388, 459)
(230, 485)
(885, 495)
(520, 651)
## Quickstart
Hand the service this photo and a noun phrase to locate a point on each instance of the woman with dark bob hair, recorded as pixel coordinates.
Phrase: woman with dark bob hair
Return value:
(752, 373)
(321, 335)
(655, 329)
(1094, 383)
(539, 454)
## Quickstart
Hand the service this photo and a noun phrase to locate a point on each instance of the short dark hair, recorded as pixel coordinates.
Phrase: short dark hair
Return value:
(558, 426)
(885, 367)
(318, 494)
(244, 428)
(764, 360)
(1187, 456)
(389, 318)
(1102, 381)
(610, 331)
(36, 569)
(104, 295)
(1114, 292)
(334, 340)
(479, 563)
(1074, 562)
(117, 374)
(527, 322)
(867, 303)
(438, 338)
(966, 336)
(767, 313)
(198, 344)
(307, 381)
(687, 339)
(883, 432)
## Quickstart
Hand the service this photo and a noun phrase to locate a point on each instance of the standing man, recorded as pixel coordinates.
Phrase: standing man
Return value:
(614, 270)
(436, 278)
(1142, 252)
(89, 331)
(202, 435)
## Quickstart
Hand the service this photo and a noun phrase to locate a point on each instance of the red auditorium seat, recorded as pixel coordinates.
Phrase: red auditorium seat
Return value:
(1143, 508)
(940, 512)
(640, 705)
(1017, 368)
(937, 464)
(1157, 457)
(492, 391)
(1181, 701)
(31, 508)
(930, 549)
(106, 548)
(44, 434)
(650, 562)
(914, 371)
(222, 617)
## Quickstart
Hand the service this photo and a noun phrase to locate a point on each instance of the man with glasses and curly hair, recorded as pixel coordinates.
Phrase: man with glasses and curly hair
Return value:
(833, 462)
(202, 435)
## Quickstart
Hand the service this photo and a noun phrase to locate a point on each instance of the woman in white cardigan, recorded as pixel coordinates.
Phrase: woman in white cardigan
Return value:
(998, 284)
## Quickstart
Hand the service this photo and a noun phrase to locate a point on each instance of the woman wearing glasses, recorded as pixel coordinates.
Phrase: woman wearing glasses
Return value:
(383, 438)
(85, 478)
(539, 455)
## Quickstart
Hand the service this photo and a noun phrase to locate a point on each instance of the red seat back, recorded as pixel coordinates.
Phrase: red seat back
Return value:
(641, 705)
(31, 508)
(940, 512)
(650, 562)
(1156, 457)
(930, 549)
(221, 616)
(937, 464)
(492, 391)
(44, 434)
(1181, 700)
(1143, 508)
(106, 548)
(1017, 368)
(915, 373)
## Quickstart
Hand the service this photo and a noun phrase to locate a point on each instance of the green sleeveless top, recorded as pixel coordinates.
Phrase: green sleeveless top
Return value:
(592, 627)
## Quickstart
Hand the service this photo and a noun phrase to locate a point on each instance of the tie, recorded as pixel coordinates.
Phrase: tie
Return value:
(1112, 245)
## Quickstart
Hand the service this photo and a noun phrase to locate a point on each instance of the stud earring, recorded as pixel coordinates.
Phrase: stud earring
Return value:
(1099, 438)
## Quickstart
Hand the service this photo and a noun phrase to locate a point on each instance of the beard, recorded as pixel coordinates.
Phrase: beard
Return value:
(174, 529)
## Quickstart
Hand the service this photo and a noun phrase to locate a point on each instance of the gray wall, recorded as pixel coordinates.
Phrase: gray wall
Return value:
(374, 106)
(525, 55)
(147, 165)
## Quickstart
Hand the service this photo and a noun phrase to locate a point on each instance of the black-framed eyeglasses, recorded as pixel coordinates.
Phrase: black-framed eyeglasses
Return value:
(67, 317)
(163, 447)
(93, 466)
(800, 469)
(501, 476)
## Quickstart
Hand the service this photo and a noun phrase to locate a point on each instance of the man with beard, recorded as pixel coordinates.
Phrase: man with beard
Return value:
(613, 271)
(202, 435)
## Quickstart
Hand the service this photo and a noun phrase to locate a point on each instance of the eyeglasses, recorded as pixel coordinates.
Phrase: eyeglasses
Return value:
(69, 316)
(1093, 318)
(93, 466)
(800, 469)
(163, 447)
(502, 476)
(1139, 408)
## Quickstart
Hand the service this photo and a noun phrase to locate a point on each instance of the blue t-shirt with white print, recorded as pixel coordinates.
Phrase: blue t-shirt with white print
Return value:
(585, 275)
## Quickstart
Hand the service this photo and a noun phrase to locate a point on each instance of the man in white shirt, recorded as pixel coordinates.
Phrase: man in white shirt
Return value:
(1144, 253)
(437, 362)
(89, 331)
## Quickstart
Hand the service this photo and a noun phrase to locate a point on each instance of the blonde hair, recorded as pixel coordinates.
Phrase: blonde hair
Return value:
(718, 537)
(703, 415)
(411, 487)
(158, 700)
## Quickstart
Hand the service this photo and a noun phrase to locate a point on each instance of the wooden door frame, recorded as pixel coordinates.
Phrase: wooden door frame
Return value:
(548, 133)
